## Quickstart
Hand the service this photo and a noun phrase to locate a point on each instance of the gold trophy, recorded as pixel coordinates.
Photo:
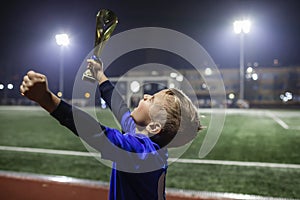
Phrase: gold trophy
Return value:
(106, 22)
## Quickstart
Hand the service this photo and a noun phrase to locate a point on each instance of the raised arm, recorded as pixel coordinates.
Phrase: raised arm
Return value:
(112, 97)
(35, 88)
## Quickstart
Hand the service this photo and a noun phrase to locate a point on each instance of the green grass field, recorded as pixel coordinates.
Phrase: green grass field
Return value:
(249, 136)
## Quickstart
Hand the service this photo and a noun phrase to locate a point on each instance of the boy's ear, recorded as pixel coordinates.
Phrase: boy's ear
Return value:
(153, 127)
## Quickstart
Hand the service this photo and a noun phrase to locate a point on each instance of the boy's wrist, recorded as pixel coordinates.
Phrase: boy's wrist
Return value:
(49, 101)
(102, 79)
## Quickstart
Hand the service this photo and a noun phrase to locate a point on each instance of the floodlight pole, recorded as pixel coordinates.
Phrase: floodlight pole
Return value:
(61, 71)
(242, 27)
(62, 40)
(242, 65)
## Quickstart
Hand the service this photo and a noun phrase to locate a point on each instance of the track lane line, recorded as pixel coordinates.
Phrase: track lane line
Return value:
(180, 160)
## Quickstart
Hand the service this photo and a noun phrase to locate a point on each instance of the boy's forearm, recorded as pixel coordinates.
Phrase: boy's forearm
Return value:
(113, 99)
(49, 102)
(80, 123)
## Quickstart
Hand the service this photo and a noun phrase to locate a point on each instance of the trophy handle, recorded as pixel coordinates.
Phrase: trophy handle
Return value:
(106, 22)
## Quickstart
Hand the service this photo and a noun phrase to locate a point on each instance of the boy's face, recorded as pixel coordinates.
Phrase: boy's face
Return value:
(141, 114)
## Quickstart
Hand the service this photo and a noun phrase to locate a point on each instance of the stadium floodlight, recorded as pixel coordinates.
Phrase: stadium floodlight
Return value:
(242, 27)
(208, 71)
(62, 40)
(249, 70)
(173, 74)
(171, 85)
(10, 86)
(135, 86)
(87, 95)
(255, 76)
(231, 96)
(288, 96)
(179, 78)
(1, 86)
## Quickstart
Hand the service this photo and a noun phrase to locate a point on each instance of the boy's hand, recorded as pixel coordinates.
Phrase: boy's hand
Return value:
(35, 88)
(97, 69)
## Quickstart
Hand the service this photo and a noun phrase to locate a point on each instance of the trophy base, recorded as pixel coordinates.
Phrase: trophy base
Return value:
(88, 76)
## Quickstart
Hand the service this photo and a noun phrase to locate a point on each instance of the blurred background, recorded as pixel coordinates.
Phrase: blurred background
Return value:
(267, 55)
(255, 45)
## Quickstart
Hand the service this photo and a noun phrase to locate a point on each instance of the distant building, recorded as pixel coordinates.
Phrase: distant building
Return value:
(263, 86)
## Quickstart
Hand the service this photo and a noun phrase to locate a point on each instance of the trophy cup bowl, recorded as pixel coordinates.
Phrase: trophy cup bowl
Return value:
(106, 22)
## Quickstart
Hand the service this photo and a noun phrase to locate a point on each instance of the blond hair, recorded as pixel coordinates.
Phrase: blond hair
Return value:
(182, 122)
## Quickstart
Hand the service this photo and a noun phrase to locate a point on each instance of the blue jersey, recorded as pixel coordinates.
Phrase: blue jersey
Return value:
(139, 164)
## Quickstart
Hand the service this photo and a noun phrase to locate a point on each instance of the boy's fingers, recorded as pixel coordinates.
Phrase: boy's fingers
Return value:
(26, 79)
(23, 89)
(90, 60)
(40, 77)
(31, 74)
(94, 62)
(29, 80)
(91, 63)
(35, 76)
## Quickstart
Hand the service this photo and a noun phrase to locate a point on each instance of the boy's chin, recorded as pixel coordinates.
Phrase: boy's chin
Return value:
(133, 111)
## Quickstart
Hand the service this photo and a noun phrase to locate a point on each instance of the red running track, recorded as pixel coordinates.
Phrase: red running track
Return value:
(14, 186)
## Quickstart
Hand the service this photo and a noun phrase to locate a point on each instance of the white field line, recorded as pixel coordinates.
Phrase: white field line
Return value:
(48, 151)
(255, 112)
(278, 120)
(188, 161)
(235, 163)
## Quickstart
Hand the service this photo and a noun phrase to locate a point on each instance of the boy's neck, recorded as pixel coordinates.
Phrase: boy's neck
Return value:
(142, 130)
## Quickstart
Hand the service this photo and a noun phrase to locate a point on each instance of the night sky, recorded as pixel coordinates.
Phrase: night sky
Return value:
(28, 29)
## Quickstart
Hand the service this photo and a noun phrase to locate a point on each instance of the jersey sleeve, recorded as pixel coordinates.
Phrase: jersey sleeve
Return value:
(80, 123)
(130, 151)
(110, 142)
(117, 105)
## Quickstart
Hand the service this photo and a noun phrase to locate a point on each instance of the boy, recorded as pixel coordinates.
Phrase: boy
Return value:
(139, 152)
